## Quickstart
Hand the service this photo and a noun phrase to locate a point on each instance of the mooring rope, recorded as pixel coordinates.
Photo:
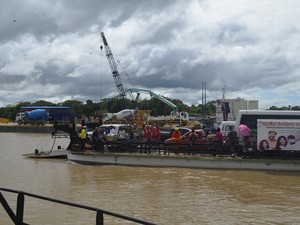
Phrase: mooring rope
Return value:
(42, 143)
(47, 153)
(41, 147)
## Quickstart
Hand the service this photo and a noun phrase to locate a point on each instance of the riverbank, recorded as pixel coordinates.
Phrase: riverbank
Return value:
(15, 128)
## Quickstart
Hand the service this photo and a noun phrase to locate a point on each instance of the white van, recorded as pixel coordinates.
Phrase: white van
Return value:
(226, 126)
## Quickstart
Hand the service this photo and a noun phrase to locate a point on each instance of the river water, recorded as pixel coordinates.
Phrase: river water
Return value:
(172, 196)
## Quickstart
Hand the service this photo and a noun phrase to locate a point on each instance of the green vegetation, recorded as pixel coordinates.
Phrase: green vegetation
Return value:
(90, 108)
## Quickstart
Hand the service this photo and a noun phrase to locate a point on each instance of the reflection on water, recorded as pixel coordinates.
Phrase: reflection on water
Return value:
(160, 195)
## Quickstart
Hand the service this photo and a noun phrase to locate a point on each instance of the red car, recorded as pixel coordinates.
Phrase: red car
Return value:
(185, 138)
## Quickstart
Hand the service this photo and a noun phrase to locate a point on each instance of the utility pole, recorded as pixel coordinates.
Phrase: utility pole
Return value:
(203, 97)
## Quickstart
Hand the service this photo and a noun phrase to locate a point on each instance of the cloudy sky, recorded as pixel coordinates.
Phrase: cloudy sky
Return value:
(50, 49)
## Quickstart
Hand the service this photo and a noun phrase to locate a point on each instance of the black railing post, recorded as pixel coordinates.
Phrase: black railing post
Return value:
(20, 209)
(7, 207)
(99, 218)
(19, 217)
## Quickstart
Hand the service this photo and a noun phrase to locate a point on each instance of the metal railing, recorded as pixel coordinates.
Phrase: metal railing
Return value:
(18, 217)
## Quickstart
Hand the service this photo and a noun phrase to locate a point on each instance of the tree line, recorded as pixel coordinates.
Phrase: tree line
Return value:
(90, 108)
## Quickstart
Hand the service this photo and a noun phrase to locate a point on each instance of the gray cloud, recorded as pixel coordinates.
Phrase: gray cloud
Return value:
(50, 49)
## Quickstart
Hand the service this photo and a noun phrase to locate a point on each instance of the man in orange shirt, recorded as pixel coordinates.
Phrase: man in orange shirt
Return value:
(176, 137)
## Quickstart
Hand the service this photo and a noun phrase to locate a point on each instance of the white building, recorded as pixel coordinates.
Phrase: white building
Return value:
(234, 105)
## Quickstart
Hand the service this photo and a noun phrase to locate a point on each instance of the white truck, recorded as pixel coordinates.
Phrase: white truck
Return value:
(226, 126)
(122, 115)
(20, 116)
(127, 115)
(34, 117)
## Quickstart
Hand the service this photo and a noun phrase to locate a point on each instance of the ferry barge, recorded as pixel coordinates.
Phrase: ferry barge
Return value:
(212, 156)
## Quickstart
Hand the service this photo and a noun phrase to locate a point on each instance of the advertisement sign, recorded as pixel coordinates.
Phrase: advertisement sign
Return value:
(278, 134)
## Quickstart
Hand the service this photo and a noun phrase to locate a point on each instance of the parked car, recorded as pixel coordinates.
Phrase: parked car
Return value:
(225, 127)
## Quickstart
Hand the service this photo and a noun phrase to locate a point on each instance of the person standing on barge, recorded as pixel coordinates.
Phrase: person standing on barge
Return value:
(153, 132)
(148, 136)
(176, 137)
(82, 136)
(95, 138)
(219, 136)
(193, 136)
(232, 137)
(211, 138)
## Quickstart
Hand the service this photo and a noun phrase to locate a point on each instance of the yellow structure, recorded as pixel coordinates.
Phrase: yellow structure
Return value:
(4, 120)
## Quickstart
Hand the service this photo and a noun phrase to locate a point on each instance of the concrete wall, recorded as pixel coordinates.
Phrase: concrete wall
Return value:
(26, 129)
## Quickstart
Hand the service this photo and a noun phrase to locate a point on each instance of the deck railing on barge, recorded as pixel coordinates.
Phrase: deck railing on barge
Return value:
(18, 217)
(212, 149)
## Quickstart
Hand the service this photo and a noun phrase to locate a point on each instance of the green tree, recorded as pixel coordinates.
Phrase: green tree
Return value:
(91, 108)
(42, 103)
(117, 104)
(295, 108)
(77, 106)
(8, 112)
(273, 108)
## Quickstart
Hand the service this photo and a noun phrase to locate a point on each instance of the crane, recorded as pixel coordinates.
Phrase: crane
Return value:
(113, 67)
(119, 84)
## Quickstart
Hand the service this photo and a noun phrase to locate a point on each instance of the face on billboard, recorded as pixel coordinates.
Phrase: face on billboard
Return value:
(272, 135)
(291, 140)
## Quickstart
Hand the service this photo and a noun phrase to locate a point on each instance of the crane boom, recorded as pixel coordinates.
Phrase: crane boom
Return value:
(152, 94)
(113, 67)
(119, 84)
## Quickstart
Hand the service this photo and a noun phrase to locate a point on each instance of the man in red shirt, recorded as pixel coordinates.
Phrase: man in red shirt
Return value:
(147, 136)
(219, 136)
(153, 132)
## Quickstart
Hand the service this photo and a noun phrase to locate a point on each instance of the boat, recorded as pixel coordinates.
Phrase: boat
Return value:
(207, 156)
(184, 161)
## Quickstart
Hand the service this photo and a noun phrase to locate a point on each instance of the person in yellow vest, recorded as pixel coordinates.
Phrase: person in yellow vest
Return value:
(82, 136)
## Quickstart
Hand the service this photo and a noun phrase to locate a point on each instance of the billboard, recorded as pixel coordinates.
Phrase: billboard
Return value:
(278, 134)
